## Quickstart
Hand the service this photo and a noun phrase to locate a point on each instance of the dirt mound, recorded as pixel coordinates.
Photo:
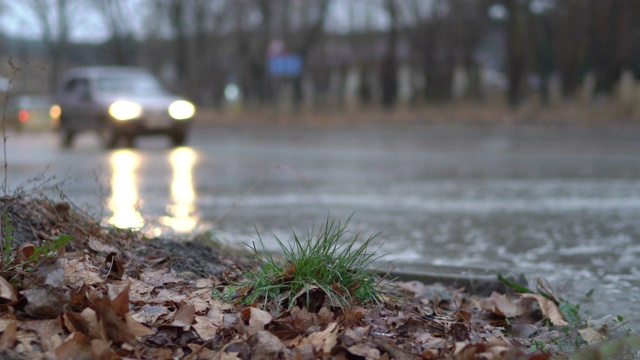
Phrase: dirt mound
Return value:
(70, 288)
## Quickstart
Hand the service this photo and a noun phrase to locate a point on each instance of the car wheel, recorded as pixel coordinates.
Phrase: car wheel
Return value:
(109, 136)
(129, 141)
(67, 138)
(178, 138)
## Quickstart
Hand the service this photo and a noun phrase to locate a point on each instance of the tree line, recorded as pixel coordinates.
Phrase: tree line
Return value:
(364, 45)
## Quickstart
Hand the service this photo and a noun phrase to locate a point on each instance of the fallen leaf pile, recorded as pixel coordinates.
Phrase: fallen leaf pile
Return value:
(113, 294)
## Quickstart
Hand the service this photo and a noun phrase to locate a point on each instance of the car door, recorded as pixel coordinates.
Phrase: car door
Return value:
(77, 104)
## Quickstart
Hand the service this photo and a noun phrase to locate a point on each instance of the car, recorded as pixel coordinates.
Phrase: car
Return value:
(30, 113)
(119, 104)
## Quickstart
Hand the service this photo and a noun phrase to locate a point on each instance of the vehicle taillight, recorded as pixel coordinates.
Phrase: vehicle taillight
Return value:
(23, 115)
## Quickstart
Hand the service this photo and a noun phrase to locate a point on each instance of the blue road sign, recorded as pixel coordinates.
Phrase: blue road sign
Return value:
(285, 65)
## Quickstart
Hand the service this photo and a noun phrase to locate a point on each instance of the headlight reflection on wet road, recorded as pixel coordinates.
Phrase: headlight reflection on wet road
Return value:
(123, 203)
(124, 198)
(181, 218)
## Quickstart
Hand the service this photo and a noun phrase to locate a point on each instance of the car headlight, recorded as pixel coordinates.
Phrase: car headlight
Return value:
(55, 111)
(125, 110)
(181, 110)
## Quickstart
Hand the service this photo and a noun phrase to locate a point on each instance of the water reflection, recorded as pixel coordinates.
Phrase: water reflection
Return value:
(124, 198)
(181, 210)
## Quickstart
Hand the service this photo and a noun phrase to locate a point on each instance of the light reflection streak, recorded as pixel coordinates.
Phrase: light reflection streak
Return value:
(181, 217)
(124, 199)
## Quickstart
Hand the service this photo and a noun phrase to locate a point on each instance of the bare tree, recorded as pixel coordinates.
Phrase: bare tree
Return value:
(118, 18)
(251, 41)
(432, 47)
(569, 21)
(518, 48)
(209, 81)
(468, 23)
(611, 35)
(54, 19)
(389, 68)
(176, 11)
(303, 25)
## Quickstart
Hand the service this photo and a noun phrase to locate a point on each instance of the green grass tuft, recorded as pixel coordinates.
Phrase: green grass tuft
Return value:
(330, 260)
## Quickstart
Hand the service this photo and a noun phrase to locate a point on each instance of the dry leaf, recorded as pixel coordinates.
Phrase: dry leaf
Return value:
(77, 273)
(7, 290)
(9, 336)
(115, 328)
(501, 305)
(114, 266)
(199, 352)
(6, 321)
(136, 328)
(465, 316)
(216, 317)
(355, 335)
(234, 350)
(120, 304)
(205, 329)
(258, 319)
(50, 332)
(160, 277)
(102, 350)
(184, 316)
(24, 252)
(325, 340)
(166, 295)
(549, 309)
(221, 355)
(293, 342)
(76, 346)
(364, 350)
(458, 332)
(149, 314)
(591, 336)
(325, 316)
(139, 291)
(44, 302)
(467, 351)
(217, 304)
(26, 340)
(95, 330)
(415, 287)
(85, 322)
(200, 305)
(100, 247)
(266, 346)
(50, 273)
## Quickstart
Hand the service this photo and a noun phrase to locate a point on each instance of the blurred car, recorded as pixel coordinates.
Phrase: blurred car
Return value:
(120, 104)
(29, 112)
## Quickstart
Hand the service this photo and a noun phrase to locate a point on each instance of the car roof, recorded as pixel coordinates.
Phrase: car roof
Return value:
(95, 71)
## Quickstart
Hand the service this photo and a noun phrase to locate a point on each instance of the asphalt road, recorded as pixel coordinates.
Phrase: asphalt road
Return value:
(558, 203)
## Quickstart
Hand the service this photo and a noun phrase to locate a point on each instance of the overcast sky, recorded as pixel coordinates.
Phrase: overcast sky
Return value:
(16, 19)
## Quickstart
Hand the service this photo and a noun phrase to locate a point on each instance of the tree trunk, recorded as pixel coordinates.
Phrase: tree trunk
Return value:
(516, 50)
(389, 76)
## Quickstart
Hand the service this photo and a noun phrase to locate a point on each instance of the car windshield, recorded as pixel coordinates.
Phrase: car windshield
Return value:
(130, 85)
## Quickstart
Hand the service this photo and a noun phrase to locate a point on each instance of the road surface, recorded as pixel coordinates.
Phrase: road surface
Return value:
(557, 203)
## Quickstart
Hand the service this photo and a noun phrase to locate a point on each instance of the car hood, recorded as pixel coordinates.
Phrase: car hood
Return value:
(147, 102)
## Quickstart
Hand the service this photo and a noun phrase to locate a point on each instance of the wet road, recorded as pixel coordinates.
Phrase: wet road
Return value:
(557, 203)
